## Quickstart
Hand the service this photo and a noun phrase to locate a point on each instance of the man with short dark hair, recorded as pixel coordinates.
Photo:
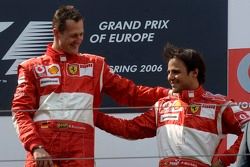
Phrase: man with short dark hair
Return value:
(190, 122)
(57, 92)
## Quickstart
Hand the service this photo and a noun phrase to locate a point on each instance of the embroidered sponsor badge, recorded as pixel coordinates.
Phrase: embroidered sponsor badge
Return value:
(177, 106)
(242, 116)
(49, 81)
(47, 71)
(62, 125)
(165, 107)
(86, 69)
(79, 70)
(44, 125)
(40, 71)
(169, 116)
(208, 111)
(53, 70)
(194, 108)
(73, 69)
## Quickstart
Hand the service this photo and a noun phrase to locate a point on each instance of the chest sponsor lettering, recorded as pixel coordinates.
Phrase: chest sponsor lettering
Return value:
(79, 70)
(208, 111)
(49, 81)
(169, 117)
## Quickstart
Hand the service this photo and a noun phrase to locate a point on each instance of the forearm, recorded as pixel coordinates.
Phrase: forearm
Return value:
(126, 92)
(129, 129)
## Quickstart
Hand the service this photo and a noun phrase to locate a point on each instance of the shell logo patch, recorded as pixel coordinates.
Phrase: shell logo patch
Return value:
(177, 106)
(53, 70)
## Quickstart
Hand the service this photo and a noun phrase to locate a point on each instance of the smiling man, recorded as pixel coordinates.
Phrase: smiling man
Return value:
(57, 92)
(190, 122)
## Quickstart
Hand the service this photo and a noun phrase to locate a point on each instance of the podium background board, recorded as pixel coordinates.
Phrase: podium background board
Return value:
(129, 34)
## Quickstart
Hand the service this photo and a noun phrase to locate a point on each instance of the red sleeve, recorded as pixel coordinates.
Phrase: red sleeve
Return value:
(142, 126)
(23, 105)
(233, 119)
(229, 155)
(126, 92)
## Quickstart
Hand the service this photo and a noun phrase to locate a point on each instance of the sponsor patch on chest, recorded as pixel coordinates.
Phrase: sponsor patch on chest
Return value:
(169, 117)
(208, 111)
(79, 70)
(52, 70)
(49, 81)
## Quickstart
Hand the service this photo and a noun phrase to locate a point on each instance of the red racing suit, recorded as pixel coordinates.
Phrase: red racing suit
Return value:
(188, 127)
(54, 101)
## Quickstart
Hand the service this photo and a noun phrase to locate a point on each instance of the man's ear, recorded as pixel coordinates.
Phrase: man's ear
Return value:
(195, 72)
(55, 32)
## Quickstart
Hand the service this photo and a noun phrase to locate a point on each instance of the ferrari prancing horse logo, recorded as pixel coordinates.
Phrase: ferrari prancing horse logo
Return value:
(194, 108)
(73, 69)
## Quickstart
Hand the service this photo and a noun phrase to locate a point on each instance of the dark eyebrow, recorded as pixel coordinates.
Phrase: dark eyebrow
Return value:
(174, 71)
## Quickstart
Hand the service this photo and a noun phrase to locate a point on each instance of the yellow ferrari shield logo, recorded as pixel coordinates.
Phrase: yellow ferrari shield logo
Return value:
(194, 108)
(73, 69)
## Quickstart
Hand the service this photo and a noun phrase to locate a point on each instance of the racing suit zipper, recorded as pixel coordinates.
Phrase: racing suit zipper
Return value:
(63, 60)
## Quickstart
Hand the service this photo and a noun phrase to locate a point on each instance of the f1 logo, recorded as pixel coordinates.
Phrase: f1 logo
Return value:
(5, 25)
(31, 42)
